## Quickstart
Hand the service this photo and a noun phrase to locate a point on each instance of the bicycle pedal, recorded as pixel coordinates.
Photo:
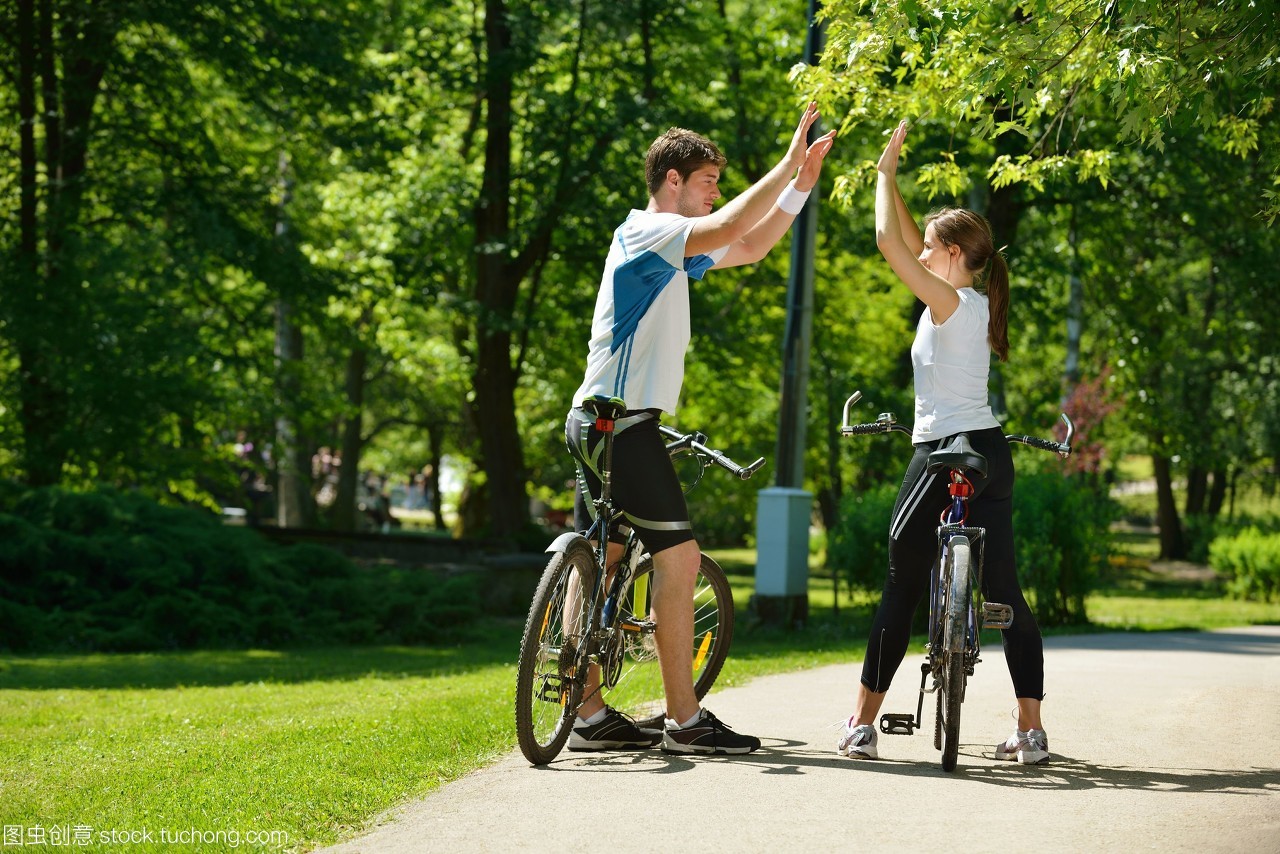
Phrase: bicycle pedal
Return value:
(631, 624)
(996, 616)
(897, 724)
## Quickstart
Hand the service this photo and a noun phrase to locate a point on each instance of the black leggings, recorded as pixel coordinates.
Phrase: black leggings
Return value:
(913, 547)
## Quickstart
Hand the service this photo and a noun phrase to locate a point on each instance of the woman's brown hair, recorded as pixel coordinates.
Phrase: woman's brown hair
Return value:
(972, 234)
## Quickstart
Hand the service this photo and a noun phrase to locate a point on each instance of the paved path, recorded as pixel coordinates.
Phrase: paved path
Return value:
(1166, 742)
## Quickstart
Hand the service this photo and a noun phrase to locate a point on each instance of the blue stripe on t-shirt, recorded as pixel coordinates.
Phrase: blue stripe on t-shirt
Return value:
(637, 282)
(698, 265)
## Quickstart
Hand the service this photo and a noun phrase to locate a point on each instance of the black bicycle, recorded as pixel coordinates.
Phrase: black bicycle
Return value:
(584, 616)
(955, 584)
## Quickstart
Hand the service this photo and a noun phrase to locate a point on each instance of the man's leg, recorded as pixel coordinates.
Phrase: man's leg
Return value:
(594, 702)
(675, 572)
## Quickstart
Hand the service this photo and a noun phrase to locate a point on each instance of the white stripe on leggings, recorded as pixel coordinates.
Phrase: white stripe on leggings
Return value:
(909, 506)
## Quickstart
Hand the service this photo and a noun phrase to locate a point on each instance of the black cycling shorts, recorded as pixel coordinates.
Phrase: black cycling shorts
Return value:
(645, 485)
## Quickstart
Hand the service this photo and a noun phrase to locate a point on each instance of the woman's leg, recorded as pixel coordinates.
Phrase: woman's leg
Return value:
(912, 550)
(992, 509)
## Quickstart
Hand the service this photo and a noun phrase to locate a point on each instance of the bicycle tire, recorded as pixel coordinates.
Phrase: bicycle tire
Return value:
(639, 691)
(957, 615)
(550, 674)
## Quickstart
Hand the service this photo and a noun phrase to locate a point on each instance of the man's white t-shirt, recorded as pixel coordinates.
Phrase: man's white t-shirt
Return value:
(641, 326)
(951, 362)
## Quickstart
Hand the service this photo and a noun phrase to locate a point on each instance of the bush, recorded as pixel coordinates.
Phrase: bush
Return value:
(1060, 529)
(1251, 562)
(118, 572)
(1060, 532)
(858, 548)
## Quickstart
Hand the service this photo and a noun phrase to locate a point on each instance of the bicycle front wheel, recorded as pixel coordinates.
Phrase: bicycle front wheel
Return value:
(956, 617)
(638, 689)
(552, 668)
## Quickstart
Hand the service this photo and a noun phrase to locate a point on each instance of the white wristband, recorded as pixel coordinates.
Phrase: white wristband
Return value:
(792, 200)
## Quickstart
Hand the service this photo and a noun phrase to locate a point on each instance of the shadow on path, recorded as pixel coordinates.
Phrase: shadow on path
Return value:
(779, 756)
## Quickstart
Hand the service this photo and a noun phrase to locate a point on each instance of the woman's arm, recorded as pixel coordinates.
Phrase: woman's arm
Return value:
(910, 231)
(935, 291)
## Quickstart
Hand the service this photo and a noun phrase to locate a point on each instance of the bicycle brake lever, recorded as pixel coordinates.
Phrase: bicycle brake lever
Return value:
(746, 471)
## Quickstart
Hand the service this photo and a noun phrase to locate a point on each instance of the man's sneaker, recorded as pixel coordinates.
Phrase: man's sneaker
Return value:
(615, 732)
(858, 742)
(1030, 747)
(707, 734)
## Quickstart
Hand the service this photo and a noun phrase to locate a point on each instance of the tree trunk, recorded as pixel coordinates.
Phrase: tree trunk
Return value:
(1075, 310)
(41, 310)
(497, 287)
(1218, 492)
(39, 409)
(432, 484)
(1172, 544)
(1197, 490)
(344, 505)
(293, 465)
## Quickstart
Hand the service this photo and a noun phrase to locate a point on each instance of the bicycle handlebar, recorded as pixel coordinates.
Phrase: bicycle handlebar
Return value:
(886, 423)
(695, 442)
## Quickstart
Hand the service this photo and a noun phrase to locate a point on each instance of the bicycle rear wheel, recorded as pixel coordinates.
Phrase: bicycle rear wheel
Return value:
(638, 689)
(956, 616)
(552, 666)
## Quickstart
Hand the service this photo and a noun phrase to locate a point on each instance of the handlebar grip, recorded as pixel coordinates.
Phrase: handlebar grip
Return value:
(1047, 445)
(861, 429)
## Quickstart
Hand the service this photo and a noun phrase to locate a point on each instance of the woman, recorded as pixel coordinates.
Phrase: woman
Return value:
(950, 361)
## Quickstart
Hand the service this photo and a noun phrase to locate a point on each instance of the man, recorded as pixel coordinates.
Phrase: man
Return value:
(638, 341)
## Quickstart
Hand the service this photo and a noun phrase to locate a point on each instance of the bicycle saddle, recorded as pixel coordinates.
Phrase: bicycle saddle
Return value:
(958, 454)
(602, 406)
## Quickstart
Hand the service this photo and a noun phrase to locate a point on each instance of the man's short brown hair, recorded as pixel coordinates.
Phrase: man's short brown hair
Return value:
(681, 150)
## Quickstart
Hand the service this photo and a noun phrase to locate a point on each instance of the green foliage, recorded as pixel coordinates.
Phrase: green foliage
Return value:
(116, 571)
(1046, 71)
(858, 548)
(1251, 562)
(1061, 534)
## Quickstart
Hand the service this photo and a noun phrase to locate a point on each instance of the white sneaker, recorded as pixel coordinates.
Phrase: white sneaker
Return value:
(1030, 747)
(858, 742)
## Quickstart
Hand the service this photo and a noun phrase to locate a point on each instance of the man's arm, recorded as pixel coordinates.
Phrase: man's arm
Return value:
(766, 233)
(736, 219)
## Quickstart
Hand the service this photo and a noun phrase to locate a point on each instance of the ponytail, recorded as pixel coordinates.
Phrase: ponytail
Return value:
(998, 304)
(972, 233)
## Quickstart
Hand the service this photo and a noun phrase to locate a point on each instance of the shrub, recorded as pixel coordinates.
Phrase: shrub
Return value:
(1061, 533)
(858, 548)
(118, 572)
(1251, 562)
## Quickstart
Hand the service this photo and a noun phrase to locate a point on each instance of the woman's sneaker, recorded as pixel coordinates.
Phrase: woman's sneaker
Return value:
(1030, 747)
(858, 742)
(707, 734)
(615, 731)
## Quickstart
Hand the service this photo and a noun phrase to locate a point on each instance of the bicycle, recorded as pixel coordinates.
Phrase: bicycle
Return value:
(582, 615)
(953, 645)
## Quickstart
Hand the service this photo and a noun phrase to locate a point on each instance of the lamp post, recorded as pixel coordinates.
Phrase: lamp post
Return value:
(783, 510)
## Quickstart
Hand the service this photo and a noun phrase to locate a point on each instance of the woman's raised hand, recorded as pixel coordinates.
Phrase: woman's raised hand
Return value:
(888, 164)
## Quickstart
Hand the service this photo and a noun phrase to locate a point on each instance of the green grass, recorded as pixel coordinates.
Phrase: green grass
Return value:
(315, 743)
(311, 743)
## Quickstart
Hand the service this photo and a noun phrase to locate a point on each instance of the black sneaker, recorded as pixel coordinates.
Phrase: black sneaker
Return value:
(708, 734)
(615, 732)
